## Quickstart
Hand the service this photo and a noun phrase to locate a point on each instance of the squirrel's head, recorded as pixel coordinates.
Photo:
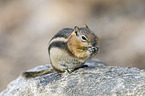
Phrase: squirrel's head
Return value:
(83, 42)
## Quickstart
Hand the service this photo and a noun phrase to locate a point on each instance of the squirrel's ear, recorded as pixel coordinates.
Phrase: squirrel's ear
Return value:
(86, 26)
(76, 30)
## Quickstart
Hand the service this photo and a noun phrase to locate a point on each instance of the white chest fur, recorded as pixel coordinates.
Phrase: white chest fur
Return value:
(61, 60)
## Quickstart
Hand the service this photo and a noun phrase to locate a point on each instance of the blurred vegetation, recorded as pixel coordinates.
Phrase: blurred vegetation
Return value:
(26, 26)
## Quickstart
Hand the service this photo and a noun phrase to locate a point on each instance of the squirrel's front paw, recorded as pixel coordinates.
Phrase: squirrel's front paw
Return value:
(93, 50)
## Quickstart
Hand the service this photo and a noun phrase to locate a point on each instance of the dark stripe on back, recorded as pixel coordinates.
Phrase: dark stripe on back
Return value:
(65, 32)
(61, 45)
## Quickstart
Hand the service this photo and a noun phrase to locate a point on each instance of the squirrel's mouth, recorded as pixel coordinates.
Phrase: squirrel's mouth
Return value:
(92, 50)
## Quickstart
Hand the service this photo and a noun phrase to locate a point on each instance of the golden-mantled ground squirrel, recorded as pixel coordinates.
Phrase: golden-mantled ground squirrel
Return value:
(69, 49)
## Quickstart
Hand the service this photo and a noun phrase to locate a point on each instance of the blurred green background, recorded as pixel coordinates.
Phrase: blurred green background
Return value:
(26, 26)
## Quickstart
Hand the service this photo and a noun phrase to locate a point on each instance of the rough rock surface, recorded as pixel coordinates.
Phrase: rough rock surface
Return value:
(97, 79)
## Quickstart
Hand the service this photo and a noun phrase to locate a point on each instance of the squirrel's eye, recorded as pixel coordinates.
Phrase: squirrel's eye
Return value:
(84, 38)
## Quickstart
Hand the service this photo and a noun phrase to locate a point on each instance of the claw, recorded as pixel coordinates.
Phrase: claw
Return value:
(97, 48)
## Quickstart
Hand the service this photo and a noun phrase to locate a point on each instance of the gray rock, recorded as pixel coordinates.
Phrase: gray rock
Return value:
(97, 79)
